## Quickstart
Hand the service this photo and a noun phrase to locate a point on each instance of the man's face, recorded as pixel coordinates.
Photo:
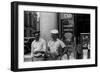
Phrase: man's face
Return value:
(54, 37)
(37, 36)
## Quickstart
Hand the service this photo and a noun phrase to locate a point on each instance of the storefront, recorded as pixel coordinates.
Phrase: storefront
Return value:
(73, 29)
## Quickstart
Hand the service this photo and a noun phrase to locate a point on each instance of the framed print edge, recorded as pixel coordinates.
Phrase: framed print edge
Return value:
(96, 31)
(14, 36)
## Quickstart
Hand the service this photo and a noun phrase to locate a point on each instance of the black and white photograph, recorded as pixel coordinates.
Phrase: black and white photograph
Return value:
(53, 36)
(56, 36)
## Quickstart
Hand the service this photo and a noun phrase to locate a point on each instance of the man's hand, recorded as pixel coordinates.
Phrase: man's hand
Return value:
(42, 52)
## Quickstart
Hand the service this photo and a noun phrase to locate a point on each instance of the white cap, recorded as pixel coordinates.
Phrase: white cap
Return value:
(54, 31)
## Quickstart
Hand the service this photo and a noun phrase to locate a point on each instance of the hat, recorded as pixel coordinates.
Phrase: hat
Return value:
(68, 35)
(37, 33)
(54, 31)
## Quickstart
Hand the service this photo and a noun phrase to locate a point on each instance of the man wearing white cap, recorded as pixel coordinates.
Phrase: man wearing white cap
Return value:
(55, 45)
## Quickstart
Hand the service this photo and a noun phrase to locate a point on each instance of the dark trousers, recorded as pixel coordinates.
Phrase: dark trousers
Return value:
(79, 55)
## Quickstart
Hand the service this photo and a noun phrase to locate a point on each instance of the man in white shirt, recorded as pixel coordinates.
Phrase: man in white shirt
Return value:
(38, 48)
(55, 46)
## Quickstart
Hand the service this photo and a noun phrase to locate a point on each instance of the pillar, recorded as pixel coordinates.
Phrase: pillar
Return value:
(48, 21)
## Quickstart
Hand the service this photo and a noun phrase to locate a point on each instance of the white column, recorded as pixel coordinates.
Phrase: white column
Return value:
(48, 21)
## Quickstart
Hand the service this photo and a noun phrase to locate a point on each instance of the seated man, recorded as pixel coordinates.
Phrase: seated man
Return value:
(55, 45)
(38, 48)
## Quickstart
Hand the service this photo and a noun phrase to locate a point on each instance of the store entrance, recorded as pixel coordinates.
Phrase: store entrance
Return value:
(82, 25)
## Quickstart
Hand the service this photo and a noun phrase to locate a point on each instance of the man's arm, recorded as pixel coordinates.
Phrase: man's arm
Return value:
(32, 48)
(61, 48)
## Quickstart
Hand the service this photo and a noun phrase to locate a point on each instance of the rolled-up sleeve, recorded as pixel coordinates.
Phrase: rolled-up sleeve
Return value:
(62, 44)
